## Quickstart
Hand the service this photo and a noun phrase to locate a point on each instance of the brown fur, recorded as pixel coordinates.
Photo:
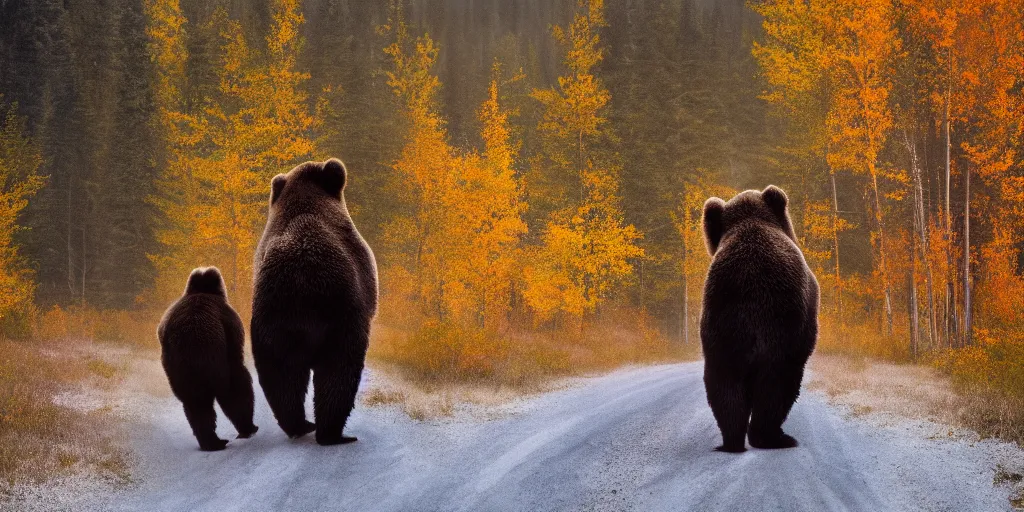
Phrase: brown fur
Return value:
(759, 323)
(314, 297)
(201, 342)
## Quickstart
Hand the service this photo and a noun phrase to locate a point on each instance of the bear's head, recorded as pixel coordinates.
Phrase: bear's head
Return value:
(206, 280)
(767, 207)
(311, 179)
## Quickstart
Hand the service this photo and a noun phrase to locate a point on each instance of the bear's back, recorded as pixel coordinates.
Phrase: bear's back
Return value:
(316, 260)
(759, 276)
(192, 333)
(194, 313)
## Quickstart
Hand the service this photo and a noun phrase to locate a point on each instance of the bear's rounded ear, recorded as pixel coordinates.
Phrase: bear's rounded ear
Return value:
(276, 186)
(775, 198)
(714, 208)
(197, 274)
(213, 274)
(335, 176)
(205, 280)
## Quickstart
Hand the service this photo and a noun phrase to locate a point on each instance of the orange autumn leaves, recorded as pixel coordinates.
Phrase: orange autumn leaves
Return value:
(834, 56)
(458, 252)
(453, 249)
(839, 63)
(587, 250)
(920, 103)
(454, 245)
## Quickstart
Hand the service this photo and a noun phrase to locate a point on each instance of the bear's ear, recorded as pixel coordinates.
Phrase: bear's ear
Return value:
(335, 176)
(205, 280)
(276, 186)
(713, 229)
(776, 199)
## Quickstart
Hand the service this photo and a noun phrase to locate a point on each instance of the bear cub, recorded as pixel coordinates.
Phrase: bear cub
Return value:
(314, 296)
(201, 340)
(759, 322)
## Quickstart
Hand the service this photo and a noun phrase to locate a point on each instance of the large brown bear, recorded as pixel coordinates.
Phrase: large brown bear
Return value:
(760, 318)
(201, 341)
(315, 294)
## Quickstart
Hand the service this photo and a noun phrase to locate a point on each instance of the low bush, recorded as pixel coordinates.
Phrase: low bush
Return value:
(445, 352)
(861, 339)
(989, 375)
(136, 328)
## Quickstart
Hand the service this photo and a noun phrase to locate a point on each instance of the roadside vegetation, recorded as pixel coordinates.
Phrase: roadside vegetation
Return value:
(43, 432)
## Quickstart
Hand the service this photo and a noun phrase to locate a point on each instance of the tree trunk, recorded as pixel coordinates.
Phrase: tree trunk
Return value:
(915, 335)
(71, 260)
(685, 326)
(686, 309)
(948, 236)
(967, 258)
(835, 245)
(921, 220)
(881, 249)
(82, 297)
(580, 166)
(949, 314)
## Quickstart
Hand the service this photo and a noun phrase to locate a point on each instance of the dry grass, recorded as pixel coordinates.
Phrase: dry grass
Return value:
(982, 386)
(917, 391)
(867, 385)
(40, 436)
(426, 400)
(448, 354)
(922, 392)
(860, 339)
(430, 371)
(990, 376)
(46, 430)
(134, 328)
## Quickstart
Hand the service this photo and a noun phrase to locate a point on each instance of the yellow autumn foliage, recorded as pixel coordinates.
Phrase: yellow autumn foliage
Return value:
(222, 155)
(455, 253)
(585, 252)
(586, 248)
(20, 159)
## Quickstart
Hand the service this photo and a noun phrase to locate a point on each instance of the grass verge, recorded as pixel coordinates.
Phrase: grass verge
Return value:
(438, 353)
(43, 435)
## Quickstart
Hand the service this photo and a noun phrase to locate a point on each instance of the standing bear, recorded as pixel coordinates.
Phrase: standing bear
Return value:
(201, 340)
(314, 296)
(760, 318)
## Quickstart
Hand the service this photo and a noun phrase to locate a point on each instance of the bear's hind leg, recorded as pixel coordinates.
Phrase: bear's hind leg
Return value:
(203, 420)
(775, 390)
(284, 383)
(335, 384)
(237, 402)
(729, 403)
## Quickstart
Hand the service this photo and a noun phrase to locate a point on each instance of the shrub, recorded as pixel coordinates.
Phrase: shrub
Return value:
(17, 324)
(447, 352)
(113, 326)
(861, 339)
(990, 376)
